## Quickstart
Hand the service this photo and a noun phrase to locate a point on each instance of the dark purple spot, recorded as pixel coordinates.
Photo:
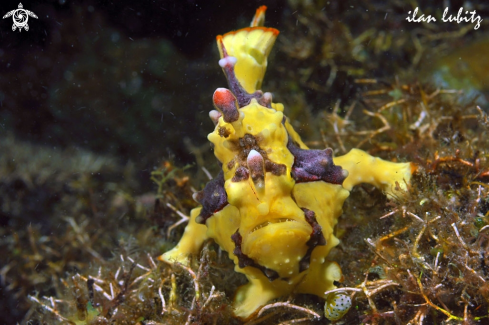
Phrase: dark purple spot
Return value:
(316, 239)
(213, 198)
(315, 165)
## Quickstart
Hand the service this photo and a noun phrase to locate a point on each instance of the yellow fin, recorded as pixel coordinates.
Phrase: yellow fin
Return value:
(250, 46)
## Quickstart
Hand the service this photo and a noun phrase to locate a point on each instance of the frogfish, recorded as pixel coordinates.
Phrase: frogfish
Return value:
(274, 204)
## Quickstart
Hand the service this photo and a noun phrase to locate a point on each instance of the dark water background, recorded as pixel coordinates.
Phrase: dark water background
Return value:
(127, 78)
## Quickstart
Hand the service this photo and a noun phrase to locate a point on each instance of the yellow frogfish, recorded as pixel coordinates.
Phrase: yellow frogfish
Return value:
(274, 205)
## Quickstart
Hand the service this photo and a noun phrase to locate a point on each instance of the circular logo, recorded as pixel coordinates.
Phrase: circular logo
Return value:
(20, 17)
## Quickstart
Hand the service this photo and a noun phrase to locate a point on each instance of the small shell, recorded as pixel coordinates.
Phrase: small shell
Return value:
(337, 305)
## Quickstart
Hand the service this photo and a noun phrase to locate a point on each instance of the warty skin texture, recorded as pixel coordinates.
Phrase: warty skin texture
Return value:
(275, 204)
